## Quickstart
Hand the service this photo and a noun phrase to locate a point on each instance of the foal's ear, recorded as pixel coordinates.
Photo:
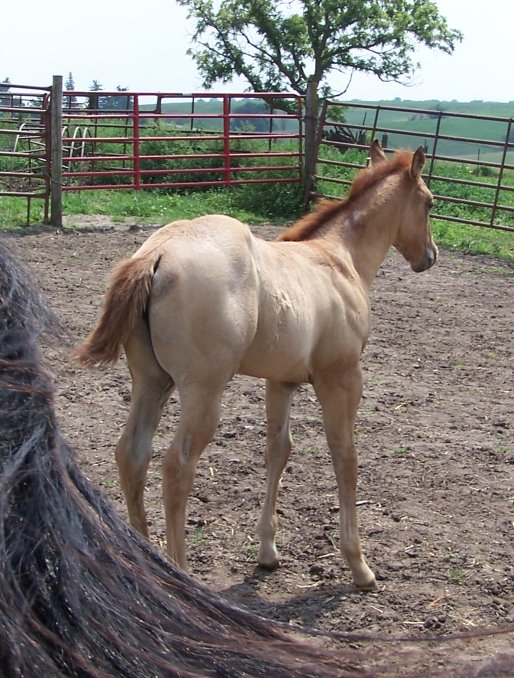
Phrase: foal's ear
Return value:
(418, 161)
(376, 153)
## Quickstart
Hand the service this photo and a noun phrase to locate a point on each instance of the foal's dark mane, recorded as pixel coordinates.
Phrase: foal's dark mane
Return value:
(325, 210)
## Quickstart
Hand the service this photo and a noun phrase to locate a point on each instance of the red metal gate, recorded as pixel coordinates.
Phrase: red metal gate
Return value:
(129, 140)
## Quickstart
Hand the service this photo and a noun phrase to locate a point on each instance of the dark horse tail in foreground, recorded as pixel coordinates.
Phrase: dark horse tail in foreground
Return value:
(81, 593)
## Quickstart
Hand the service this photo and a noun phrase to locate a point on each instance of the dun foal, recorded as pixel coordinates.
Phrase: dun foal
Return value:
(203, 300)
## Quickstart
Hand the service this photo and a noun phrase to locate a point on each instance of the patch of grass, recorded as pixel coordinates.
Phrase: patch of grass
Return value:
(253, 204)
(156, 207)
(308, 451)
(457, 575)
(503, 447)
(474, 239)
(13, 212)
(197, 538)
(251, 551)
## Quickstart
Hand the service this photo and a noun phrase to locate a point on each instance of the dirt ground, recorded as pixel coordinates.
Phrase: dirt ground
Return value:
(436, 443)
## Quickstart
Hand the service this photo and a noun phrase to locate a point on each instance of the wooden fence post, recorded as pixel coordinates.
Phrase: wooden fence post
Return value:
(56, 152)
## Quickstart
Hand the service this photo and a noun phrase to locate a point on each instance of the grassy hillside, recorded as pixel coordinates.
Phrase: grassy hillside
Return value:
(492, 108)
(212, 109)
(421, 117)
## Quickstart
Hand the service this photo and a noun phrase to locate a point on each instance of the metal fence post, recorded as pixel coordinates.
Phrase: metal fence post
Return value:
(311, 118)
(136, 147)
(500, 173)
(56, 152)
(434, 148)
(227, 174)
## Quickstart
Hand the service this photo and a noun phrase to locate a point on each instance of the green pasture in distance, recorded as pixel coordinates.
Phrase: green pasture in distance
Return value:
(214, 107)
(495, 109)
(425, 122)
(405, 120)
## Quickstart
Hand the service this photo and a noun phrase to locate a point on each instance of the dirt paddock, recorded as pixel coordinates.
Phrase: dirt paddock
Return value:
(435, 436)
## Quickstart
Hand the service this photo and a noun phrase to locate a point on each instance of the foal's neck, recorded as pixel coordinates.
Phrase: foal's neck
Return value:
(366, 230)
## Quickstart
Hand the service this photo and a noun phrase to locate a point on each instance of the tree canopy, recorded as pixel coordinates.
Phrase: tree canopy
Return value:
(279, 45)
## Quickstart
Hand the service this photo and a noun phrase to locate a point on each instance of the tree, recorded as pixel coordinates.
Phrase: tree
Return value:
(279, 45)
(93, 103)
(69, 86)
(109, 102)
(70, 82)
(119, 103)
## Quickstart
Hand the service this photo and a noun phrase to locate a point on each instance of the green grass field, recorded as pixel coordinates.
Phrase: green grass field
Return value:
(277, 204)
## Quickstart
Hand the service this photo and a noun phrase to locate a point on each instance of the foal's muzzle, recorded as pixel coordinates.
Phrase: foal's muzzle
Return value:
(427, 261)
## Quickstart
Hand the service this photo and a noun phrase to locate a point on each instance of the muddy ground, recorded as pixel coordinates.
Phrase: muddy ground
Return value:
(436, 443)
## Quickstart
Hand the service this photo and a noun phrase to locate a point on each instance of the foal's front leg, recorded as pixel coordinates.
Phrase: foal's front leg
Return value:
(278, 448)
(339, 395)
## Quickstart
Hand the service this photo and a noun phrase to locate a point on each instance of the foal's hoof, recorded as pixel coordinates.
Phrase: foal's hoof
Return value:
(269, 561)
(368, 586)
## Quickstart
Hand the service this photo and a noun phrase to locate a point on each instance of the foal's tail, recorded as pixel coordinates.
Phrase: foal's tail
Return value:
(125, 302)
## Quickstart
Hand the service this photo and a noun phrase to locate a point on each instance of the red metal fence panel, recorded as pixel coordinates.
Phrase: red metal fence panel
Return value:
(128, 140)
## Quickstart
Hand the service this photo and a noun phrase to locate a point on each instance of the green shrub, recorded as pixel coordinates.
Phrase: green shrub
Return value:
(270, 201)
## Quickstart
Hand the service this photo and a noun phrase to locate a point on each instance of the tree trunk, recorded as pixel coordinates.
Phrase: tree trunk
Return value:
(311, 124)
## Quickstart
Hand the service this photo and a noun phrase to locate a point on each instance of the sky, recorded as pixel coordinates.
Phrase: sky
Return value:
(142, 46)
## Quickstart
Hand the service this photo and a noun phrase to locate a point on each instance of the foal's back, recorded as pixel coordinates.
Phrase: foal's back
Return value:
(223, 299)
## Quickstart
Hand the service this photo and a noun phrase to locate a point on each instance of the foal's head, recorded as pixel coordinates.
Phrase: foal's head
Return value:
(414, 237)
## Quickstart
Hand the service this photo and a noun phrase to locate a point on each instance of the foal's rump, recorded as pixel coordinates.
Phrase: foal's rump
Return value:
(203, 304)
(195, 282)
(124, 303)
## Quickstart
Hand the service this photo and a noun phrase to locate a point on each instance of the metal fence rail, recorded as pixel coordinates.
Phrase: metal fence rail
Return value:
(73, 141)
(24, 151)
(128, 140)
(480, 169)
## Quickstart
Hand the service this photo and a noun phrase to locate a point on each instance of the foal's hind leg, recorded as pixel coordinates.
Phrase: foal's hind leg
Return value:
(201, 404)
(278, 448)
(339, 395)
(151, 388)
